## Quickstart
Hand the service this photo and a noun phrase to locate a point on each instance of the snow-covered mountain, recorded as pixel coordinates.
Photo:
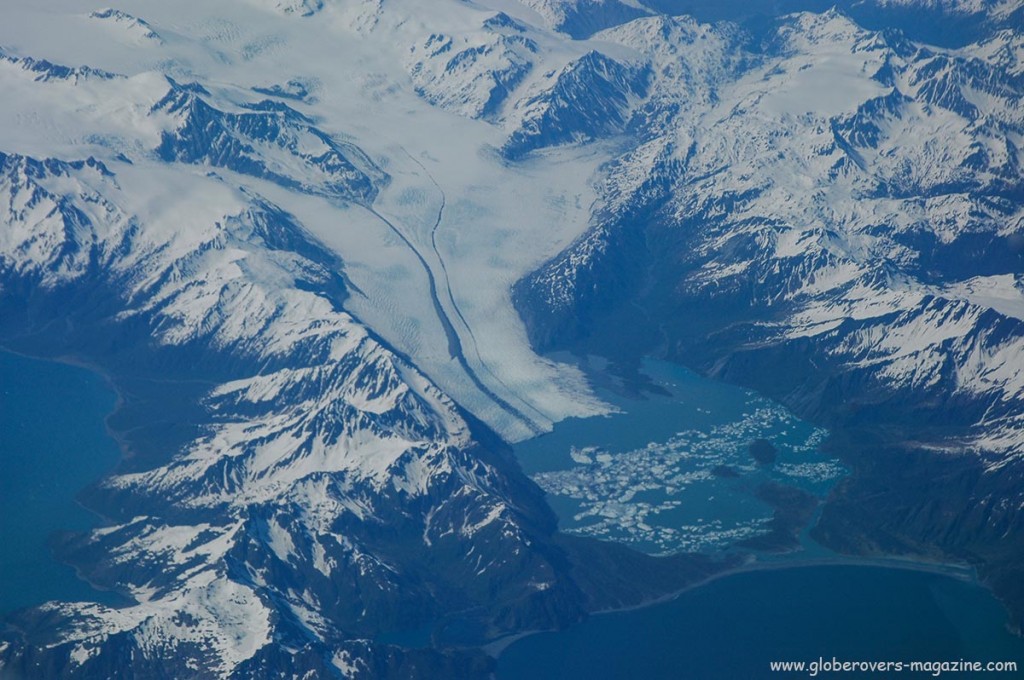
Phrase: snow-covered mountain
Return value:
(317, 245)
(473, 74)
(124, 26)
(837, 222)
(312, 434)
(324, 490)
(295, 487)
(844, 188)
(583, 18)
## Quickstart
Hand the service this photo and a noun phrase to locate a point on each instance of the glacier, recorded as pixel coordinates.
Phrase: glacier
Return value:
(322, 248)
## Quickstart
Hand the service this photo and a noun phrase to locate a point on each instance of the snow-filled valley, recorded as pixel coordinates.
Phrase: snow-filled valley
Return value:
(321, 247)
(487, 236)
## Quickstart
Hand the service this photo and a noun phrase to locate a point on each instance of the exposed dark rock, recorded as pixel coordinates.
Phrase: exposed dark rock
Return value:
(794, 509)
(725, 471)
(763, 451)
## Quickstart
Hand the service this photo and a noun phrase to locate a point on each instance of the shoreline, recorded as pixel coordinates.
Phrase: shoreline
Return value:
(962, 573)
(496, 648)
(99, 372)
(97, 519)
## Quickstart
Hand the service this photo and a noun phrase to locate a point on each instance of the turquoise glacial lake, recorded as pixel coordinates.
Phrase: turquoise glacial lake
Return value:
(53, 444)
(671, 471)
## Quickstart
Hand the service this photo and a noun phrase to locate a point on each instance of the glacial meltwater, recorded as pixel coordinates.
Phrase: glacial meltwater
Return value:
(673, 470)
(53, 443)
(678, 469)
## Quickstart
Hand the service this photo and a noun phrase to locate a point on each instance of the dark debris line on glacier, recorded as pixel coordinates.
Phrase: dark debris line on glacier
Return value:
(455, 306)
(454, 342)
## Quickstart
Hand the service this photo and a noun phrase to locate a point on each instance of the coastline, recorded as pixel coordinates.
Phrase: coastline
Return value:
(108, 381)
(962, 573)
(599, 376)
(496, 648)
(119, 441)
(115, 454)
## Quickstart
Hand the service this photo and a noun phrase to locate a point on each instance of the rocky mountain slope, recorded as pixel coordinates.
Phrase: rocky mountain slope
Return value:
(294, 488)
(838, 224)
(292, 233)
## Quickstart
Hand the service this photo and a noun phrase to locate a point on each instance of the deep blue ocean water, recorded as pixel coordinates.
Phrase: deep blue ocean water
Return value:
(733, 627)
(53, 443)
(665, 445)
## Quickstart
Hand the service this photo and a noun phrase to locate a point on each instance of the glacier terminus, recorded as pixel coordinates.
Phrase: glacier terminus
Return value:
(338, 258)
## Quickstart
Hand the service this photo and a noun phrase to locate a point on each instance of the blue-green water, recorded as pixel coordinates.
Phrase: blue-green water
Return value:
(53, 443)
(733, 628)
(651, 476)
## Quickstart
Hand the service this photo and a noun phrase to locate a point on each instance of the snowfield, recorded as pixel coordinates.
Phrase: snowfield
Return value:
(311, 226)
